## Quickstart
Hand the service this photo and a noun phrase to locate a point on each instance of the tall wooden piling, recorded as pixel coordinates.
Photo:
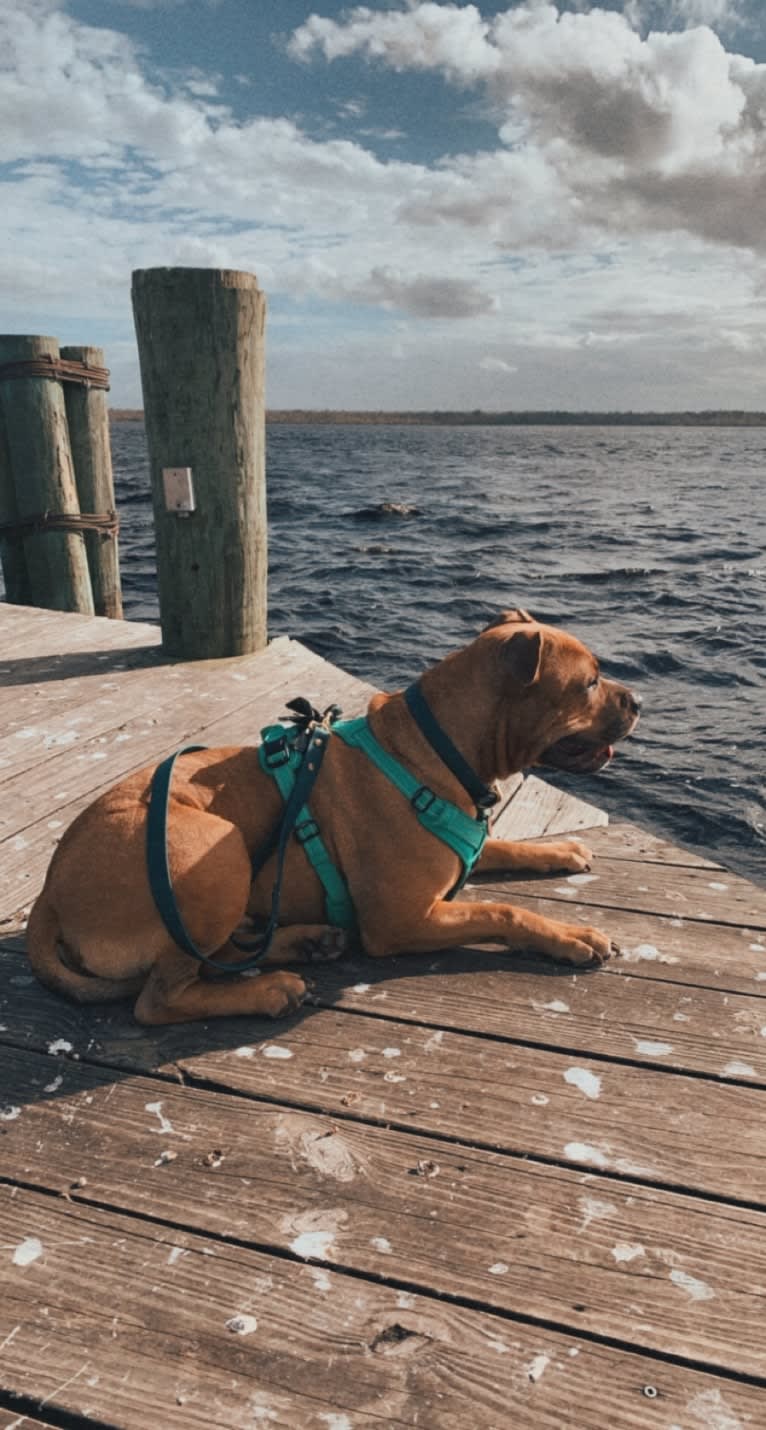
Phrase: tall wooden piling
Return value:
(88, 418)
(201, 345)
(15, 576)
(40, 459)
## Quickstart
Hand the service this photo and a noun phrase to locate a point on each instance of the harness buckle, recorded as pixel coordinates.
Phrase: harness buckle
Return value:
(422, 799)
(276, 752)
(306, 830)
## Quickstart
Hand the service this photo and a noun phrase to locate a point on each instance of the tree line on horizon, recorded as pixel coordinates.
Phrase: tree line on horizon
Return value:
(479, 418)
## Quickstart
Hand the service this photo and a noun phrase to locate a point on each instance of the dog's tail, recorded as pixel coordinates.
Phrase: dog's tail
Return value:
(44, 952)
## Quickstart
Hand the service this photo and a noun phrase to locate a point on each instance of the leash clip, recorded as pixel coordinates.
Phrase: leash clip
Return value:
(306, 830)
(487, 801)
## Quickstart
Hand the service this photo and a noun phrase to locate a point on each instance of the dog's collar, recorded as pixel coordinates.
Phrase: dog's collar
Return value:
(483, 797)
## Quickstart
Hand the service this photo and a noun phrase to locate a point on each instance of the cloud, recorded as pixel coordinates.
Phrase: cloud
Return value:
(626, 133)
(425, 296)
(429, 36)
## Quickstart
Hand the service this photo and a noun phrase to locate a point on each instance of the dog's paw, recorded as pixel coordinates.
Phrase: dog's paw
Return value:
(570, 856)
(308, 943)
(576, 943)
(331, 943)
(281, 993)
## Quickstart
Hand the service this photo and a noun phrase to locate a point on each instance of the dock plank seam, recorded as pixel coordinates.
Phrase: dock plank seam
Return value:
(28, 1408)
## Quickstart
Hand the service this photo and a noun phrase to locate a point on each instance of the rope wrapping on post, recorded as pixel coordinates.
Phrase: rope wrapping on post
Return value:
(59, 369)
(107, 525)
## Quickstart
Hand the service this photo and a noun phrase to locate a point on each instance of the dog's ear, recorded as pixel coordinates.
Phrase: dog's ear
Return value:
(507, 617)
(522, 655)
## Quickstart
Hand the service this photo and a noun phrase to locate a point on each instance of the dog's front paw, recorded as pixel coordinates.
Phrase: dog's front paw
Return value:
(570, 856)
(576, 943)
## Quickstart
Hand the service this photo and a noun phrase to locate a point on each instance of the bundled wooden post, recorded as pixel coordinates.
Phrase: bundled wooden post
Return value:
(15, 576)
(201, 345)
(88, 418)
(40, 457)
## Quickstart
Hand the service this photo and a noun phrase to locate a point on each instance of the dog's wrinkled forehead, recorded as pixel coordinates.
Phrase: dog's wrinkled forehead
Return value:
(531, 648)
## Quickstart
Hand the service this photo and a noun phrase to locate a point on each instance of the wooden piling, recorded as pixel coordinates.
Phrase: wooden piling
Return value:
(40, 458)
(15, 575)
(201, 345)
(88, 418)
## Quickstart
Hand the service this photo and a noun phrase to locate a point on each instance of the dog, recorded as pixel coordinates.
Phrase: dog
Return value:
(522, 694)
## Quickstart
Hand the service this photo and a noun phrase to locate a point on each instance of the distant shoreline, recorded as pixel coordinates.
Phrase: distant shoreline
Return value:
(478, 418)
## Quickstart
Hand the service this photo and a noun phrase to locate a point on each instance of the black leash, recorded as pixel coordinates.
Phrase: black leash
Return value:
(483, 797)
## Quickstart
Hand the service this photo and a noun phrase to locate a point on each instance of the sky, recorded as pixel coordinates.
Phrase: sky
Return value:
(514, 205)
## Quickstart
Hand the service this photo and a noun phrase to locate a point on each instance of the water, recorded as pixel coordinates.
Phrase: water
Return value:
(648, 543)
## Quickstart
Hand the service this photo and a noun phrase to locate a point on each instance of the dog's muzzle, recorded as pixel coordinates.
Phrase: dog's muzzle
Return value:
(584, 753)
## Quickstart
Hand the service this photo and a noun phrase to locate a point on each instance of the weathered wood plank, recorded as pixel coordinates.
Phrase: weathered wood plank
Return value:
(58, 632)
(661, 947)
(699, 1030)
(122, 702)
(50, 698)
(132, 710)
(720, 956)
(644, 1122)
(702, 895)
(537, 809)
(611, 1013)
(172, 1329)
(622, 839)
(622, 1262)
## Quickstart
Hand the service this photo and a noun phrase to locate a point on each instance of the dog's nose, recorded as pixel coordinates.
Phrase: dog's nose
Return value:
(631, 702)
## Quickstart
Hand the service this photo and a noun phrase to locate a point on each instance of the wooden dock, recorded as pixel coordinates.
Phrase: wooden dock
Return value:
(472, 1192)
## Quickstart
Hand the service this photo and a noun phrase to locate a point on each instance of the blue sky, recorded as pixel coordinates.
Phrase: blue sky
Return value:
(448, 205)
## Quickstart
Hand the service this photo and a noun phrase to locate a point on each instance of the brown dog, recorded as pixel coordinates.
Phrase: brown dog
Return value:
(521, 694)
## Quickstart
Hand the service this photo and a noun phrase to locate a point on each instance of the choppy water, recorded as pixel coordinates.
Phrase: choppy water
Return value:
(648, 543)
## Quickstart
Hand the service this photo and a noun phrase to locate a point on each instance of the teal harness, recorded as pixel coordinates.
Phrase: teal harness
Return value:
(280, 757)
(463, 833)
(291, 754)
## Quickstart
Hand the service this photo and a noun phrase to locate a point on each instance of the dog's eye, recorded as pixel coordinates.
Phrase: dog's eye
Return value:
(594, 682)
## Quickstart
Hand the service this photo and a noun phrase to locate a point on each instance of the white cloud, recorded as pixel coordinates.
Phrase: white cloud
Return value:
(450, 37)
(625, 132)
(425, 296)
